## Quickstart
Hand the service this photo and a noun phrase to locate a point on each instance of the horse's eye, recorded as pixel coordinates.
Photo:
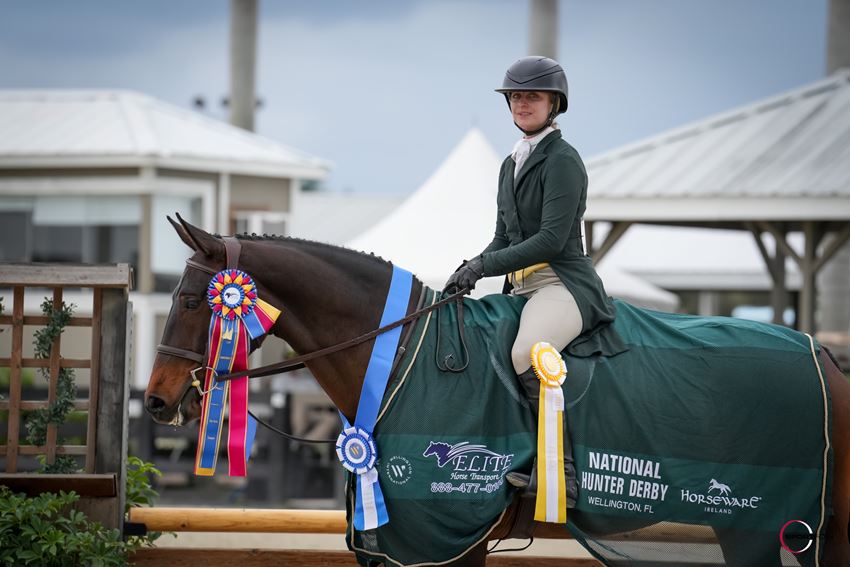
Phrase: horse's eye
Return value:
(191, 303)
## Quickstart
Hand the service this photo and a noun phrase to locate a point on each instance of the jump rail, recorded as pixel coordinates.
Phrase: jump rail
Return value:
(331, 522)
(252, 520)
(274, 521)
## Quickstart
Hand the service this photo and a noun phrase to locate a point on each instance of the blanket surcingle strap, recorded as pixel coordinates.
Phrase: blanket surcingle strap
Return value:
(706, 421)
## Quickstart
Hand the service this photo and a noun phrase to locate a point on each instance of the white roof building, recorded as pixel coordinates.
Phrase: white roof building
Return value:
(88, 176)
(46, 128)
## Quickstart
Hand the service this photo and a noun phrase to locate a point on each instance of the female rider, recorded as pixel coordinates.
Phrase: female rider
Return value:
(538, 238)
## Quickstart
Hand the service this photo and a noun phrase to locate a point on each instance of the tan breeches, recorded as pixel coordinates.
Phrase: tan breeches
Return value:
(550, 315)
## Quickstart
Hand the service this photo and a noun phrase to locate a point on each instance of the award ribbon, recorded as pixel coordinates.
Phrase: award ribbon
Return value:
(355, 446)
(238, 316)
(551, 503)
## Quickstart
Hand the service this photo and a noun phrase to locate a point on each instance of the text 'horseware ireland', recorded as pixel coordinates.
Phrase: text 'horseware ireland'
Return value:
(238, 316)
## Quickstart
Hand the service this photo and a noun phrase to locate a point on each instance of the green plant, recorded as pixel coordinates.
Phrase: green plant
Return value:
(140, 492)
(66, 390)
(45, 531)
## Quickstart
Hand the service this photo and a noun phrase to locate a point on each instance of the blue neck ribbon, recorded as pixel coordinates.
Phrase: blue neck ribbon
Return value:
(355, 447)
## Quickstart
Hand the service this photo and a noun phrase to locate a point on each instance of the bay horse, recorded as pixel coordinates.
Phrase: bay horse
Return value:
(330, 294)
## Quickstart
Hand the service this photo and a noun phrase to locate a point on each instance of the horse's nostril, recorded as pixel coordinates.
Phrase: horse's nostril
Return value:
(154, 404)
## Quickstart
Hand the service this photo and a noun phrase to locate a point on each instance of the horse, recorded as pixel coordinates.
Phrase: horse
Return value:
(329, 294)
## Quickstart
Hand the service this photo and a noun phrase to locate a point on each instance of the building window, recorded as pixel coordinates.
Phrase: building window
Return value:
(91, 230)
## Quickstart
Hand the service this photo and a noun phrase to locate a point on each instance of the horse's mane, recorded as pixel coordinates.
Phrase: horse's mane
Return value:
(333, 248)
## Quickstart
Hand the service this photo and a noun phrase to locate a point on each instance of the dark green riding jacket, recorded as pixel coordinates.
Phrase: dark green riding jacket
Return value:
(539, 220)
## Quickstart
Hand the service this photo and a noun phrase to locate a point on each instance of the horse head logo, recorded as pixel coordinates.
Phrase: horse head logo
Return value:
(231, 296)
(440, 450)
(723, 488)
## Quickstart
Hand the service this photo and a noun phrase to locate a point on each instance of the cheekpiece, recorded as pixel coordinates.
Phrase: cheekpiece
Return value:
(232, 294)
(356, 450)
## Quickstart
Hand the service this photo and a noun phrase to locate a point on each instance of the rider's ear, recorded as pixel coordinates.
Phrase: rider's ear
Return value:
(197, 239)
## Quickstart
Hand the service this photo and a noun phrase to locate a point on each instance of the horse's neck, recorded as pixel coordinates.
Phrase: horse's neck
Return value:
(327, 296)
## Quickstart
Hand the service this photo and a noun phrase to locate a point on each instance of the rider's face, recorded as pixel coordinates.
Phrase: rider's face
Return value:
(530, 109)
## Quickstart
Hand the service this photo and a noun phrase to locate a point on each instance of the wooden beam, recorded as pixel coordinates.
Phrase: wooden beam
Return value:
(79, 405)
(240, 520)
(779, 236)
(67, 275)
(113, 394)
(618, 229)
(45, 363)
(94, 380)
(41, 321)
(254, 520)
(776, 268)
(765, 255)
(813, 233)
(91, 485)
(14, 418)
(42, 449)
(836, 243)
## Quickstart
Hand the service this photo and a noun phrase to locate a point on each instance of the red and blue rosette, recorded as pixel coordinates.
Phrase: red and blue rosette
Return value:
(239, 315)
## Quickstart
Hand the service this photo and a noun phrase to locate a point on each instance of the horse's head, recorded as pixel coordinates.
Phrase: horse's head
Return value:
(439, 450)
(169, 397)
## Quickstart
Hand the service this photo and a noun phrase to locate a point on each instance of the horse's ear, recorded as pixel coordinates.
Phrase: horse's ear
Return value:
(198, 239)
(181, 232)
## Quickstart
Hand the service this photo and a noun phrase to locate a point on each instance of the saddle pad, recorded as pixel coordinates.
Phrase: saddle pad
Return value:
(704, 420)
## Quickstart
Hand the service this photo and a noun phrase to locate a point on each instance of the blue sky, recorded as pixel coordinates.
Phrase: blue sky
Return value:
(385, 89)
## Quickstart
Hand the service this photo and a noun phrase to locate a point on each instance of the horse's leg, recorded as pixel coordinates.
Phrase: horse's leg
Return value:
(837, 545)
(742, 548)
(476, 557)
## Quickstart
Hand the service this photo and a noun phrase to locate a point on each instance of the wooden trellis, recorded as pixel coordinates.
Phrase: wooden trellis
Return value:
(101, 486)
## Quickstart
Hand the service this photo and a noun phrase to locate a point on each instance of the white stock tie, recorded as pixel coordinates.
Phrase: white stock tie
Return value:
(522, 149)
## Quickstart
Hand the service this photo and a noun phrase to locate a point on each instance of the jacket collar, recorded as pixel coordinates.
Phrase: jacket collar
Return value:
(538, 155)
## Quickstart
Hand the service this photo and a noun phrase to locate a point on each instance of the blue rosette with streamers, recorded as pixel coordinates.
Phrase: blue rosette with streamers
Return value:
(356, 450)
(355, 447)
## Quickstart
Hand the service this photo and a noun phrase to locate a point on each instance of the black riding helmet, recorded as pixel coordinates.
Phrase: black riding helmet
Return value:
(537, 73)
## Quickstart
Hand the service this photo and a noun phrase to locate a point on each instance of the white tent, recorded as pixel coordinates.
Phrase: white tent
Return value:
(452, 216)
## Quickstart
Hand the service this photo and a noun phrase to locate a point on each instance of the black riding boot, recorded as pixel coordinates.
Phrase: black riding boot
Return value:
(531, 385)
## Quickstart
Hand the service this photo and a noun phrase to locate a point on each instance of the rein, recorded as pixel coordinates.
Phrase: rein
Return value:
(298, 361)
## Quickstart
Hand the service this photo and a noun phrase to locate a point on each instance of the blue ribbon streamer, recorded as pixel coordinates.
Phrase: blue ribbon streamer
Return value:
(217, 397)
(372, 512)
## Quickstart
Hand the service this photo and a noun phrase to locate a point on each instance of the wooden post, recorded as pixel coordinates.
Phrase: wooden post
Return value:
(94, 379)
(14, 423)
(113, 395)
(813, 234)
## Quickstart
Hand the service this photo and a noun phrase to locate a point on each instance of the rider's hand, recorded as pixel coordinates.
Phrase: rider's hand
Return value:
(465, 277)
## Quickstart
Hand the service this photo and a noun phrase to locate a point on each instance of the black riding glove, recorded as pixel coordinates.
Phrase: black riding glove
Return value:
(465, 277)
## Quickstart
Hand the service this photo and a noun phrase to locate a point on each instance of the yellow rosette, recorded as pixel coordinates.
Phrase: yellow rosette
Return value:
(551, 503)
